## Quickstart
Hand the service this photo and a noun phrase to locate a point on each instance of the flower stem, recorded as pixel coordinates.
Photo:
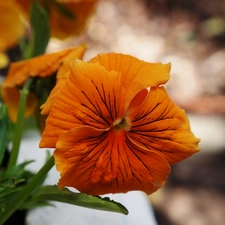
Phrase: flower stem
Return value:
(4, 128)
(19, 125)
(27, 190)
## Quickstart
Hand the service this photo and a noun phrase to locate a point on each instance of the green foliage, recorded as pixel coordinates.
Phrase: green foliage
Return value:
(53, 193)
(4, 130)
(40, 31)
(12, 182)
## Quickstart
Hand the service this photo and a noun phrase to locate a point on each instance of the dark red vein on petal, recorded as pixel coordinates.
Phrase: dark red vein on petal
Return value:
(103, 98)
(97, 110)
(142, 115)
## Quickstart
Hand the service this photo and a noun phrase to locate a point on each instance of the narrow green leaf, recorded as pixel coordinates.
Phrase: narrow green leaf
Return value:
(26, 191)
(6, 194)
(40, 31)
(17, 171)
(35, 204)
(52, 193)
(10, 182)
(19, 125)
(4, 130)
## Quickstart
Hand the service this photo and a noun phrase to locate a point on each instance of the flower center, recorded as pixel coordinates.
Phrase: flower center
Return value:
(123, 123)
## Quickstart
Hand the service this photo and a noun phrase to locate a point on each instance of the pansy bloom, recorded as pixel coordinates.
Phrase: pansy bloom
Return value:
(66, 17)
(43, 66)
(113, 126)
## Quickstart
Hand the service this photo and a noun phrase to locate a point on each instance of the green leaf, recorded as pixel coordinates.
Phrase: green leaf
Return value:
(40, 31)
(17, 171)
(25, 192)
(7, 195)
(35, 204)
(53, 193)
(4, 130)
(10, 182)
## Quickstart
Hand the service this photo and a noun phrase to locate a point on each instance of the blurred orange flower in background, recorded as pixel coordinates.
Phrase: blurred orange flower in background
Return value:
(67, 17)
(41, 67)
(11, 25)
(111, 132)
(12, 28)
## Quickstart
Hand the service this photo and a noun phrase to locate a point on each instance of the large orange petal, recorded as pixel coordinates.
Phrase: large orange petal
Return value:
(77, 53)
(97, 162)
(11, 25)
(47, 106)
(90, 96)
(62, 76)
(161, 126)
(11, 98)
(137, 101)
(42, 66)
(136, 74)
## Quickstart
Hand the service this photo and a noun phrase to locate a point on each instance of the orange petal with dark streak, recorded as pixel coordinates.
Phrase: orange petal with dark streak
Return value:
(161, 126)
(100, 162)
(41, 66)
(90, 96)
(136, 74)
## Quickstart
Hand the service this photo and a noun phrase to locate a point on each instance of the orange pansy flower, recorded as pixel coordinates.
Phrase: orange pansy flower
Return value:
(111, 132)
(11, 25)
(41, 66)
(63, 26)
